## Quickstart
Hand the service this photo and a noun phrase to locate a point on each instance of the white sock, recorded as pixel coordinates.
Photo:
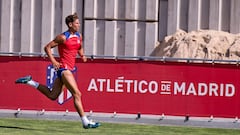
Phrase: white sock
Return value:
(85, 120)
(33, 83)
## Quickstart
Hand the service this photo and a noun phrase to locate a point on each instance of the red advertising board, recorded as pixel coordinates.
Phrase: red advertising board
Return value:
(128, 86)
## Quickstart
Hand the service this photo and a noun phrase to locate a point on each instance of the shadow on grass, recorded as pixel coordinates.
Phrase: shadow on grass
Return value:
(41, 130)
(14, 127)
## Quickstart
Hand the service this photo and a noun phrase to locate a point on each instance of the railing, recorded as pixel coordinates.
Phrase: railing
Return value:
(141, 58)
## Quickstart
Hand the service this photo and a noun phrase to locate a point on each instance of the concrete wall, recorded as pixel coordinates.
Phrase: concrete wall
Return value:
(111, 27)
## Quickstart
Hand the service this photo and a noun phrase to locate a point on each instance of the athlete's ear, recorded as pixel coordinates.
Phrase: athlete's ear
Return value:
(70, 24)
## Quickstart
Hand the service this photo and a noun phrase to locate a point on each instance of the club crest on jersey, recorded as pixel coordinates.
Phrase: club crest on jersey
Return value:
(51, 76)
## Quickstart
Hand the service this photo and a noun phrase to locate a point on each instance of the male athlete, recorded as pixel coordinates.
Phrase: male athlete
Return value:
(69, 44)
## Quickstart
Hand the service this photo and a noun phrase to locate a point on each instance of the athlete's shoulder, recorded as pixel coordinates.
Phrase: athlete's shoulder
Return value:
(68, 35)
(78, 34)
(60, 39)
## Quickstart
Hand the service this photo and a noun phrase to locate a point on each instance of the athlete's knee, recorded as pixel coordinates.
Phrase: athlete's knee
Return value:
(77, 95)
(53, 97)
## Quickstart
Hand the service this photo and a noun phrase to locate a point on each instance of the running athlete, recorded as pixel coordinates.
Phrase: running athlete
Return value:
(69, 44)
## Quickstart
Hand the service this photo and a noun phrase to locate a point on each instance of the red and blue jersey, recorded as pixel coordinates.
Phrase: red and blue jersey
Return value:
(68, 50)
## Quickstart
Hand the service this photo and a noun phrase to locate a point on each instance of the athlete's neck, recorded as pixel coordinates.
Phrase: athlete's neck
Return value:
(72, 31)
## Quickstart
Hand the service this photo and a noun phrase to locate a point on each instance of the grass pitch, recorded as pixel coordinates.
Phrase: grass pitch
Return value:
(19, 126)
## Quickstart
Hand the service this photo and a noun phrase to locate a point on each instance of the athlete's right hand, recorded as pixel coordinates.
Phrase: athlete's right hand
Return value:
(56, 65)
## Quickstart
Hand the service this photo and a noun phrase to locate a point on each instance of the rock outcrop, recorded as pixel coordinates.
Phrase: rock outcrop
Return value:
(202, 44)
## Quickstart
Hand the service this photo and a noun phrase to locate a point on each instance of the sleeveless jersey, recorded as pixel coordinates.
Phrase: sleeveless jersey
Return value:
(68, 50)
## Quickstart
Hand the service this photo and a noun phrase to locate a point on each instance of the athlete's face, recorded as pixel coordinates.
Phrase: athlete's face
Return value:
(75, 26)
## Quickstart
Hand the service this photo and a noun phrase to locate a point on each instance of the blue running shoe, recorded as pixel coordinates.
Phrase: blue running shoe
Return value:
(24, 79)
(92, 125)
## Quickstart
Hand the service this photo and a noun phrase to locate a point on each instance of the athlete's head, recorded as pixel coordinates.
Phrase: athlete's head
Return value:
(72, 22)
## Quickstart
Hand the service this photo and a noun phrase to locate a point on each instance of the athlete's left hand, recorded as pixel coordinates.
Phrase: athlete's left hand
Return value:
(84, 58)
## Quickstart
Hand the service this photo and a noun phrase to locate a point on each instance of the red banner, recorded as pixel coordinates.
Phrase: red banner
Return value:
(129, 86)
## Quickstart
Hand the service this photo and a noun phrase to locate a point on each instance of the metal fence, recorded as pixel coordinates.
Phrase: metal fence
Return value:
(111, 27)
(139, 58)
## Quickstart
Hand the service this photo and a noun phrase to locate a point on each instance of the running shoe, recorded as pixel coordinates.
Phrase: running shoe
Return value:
(24, 79)
(92, 125)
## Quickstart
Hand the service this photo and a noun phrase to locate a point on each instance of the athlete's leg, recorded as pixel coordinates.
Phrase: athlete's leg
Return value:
(55, 92)
(51, 94)
(70, 82)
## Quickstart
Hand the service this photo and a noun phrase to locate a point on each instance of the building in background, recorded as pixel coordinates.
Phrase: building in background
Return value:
(111, 27)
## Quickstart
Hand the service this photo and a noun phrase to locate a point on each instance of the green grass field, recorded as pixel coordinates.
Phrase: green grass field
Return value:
(19, 126)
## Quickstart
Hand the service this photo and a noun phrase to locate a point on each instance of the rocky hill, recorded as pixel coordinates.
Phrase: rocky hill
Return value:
(203, 44)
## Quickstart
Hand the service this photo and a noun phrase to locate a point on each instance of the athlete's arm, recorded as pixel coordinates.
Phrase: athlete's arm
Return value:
(81, 51)
(81, 54)
(58, 40)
